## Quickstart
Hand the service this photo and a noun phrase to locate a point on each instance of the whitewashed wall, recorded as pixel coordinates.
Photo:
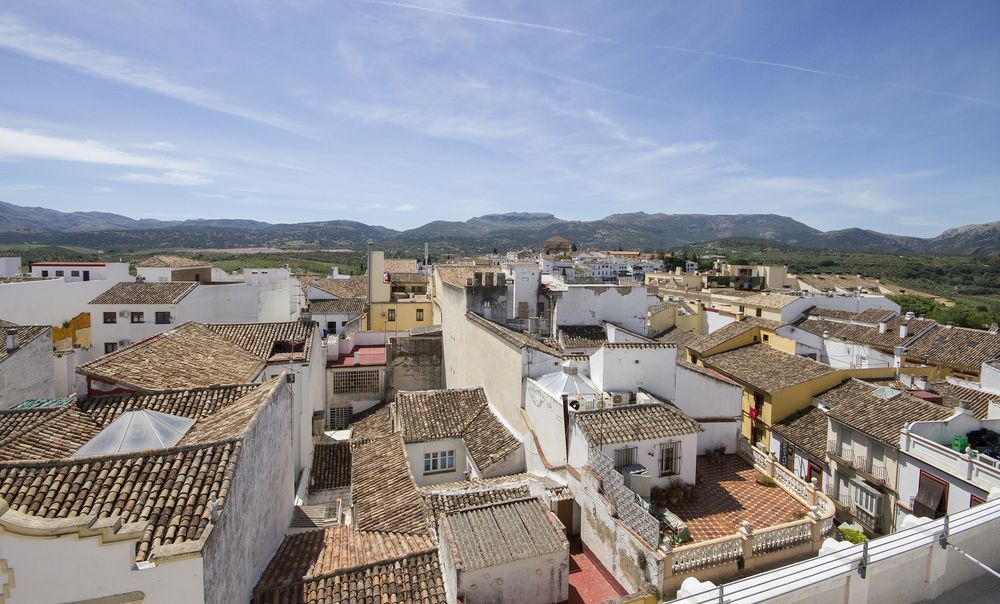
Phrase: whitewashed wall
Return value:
(47, 302)
(594, 304)
(625, 369)
(538, 580)
(69, 569)
(259, 506)
(29, 372)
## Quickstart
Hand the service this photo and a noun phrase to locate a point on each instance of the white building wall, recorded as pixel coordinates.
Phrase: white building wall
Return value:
(28, 373)
(701, 396)
(10, 266)
(123, 329)
(415, 452)
(526, 280)
(717, 320)
(538, 580)
(594, 304)
(70, 569)
(989, 378)
(625, 369)
(259, 506)
(48, 302)
(546, 415)
(112, 271)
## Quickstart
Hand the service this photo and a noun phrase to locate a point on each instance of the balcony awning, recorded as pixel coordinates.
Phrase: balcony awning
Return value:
(928, 498)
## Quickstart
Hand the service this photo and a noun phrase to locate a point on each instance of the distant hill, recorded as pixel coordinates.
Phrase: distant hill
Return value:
(659, 231)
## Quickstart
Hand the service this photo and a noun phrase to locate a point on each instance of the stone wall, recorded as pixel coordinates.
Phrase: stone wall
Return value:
(414, 363)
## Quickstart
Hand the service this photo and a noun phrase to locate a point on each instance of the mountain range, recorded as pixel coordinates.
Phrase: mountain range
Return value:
(19, 224)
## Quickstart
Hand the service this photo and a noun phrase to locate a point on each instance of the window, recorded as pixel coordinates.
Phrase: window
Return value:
(931, 500)
(366, 380)
(786, 455)
(868, 506)
(110, 347)
(60, 273)
(420, 314)
(110, 317)
(45, 273)
(759, 312)
(766, 337)
(74, 273)
(670, 459)
(625, 457)
(390, 315)
(975, 500)
(162, 317)
(137, 317)
(439, 461)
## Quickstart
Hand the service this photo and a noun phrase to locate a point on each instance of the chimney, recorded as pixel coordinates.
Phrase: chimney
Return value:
(883, 326)
(488, 279)
(11, 339)
(335, 272)
(910, 315)
(904, 330)
(357, 358)
(477, 277)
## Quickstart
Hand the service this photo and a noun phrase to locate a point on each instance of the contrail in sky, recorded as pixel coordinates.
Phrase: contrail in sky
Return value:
(680, 49)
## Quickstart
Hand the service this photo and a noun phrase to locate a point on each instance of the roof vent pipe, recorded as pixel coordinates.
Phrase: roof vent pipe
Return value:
(883, 326)
(904, 330)
(11, 339)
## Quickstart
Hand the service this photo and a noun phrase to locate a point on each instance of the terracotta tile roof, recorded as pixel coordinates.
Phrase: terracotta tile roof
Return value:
(765, 368)
(410, 277)
(352, 287)
(25, 334)
(259, 339)
(13, 420)
(321, 552)
(884, 418)
(702, 344)
(371, 423)
(806, 430)
(195, 403)
(501, 533)
(455, 413)
(169, 490)
(236, 418)
(637, 345)
(820, 326)
(649, 421)
(459, 276)
(383, 491)
(866, 334)
(415, 578)
(401, 265)
(190, 355)
(510, 336)
(959, 347)
(979, 400)
(769, 300)
(844, 315)
(339, 306)
(677, 335)
(706, 372)
(331, 466)
(164, 261)
(847, 390)
(146, 292)
(441, 503)
(874, 315)
(50, 436)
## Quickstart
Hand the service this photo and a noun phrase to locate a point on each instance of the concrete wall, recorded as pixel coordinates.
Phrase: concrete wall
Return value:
(414, 363)
(70, 568)
(537, 580)
(47, 302)
(259, 506)
(625, 369)
(594, 304)
(29, 372)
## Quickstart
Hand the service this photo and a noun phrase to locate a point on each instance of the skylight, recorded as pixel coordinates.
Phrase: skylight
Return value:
(135, 431)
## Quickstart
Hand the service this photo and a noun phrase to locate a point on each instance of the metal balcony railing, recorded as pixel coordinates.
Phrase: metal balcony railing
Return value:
(872, 470)
(840, 452)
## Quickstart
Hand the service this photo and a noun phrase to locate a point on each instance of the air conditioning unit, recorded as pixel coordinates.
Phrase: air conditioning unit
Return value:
(619, 398)
(122, 313)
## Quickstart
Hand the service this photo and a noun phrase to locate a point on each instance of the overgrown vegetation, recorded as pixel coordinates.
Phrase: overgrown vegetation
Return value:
(853, 536)
(962, 313)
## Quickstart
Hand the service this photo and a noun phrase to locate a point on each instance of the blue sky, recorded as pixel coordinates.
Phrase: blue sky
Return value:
(883, 115)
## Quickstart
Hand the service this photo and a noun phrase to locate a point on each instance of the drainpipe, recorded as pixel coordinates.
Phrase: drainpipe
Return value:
(565, 401)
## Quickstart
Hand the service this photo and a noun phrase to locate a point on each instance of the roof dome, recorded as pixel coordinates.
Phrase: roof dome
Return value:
(135, 431)
(568, 381)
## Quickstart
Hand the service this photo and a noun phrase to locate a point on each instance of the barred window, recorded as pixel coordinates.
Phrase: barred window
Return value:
(625, 457)
(356, 381)
(338, 418)
(670, 458)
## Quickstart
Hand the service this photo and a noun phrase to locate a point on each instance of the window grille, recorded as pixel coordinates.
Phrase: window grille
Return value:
(670, 459)
(625, 457)
(338, 418)
(356, 381)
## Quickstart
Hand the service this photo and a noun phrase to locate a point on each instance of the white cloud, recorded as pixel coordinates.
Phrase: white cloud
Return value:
(23, 144)
(103, 189)
(158, 145)
(184, 179)
(19, 187)
(76, 54)
(406, 207)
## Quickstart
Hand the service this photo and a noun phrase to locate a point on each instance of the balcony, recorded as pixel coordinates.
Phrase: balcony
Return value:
(842, 453)
(872, 470)
(869, 521)
(841, 497)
